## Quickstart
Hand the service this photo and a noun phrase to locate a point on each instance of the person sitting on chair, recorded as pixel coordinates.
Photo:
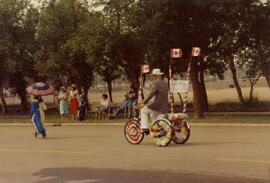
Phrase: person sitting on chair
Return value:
(150, 109)
(132, 101)
(104, 105)
(125, 104)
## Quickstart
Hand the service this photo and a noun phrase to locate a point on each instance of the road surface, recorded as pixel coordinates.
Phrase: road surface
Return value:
(100, 154)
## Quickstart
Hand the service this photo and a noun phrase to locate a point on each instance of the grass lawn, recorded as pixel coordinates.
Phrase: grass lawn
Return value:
(244, 119)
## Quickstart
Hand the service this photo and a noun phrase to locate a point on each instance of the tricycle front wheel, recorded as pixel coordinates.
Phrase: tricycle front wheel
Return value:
(132, 132)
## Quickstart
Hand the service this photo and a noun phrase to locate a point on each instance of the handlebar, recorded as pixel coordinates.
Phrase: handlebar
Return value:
(139, 106)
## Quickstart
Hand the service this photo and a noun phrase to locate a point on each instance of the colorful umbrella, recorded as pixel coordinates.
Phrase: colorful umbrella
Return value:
(40, 88)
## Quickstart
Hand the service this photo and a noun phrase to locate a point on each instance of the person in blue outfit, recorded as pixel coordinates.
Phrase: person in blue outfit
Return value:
(125, 104)
(36, 117)
(129, 102)
(132, 96)
(82, 107)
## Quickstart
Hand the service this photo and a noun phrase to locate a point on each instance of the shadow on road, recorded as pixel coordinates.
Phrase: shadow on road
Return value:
(88, 175)
(74, 137)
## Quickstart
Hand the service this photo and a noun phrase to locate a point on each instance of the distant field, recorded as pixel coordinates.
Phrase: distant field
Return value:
(214, 95)
(217, 91)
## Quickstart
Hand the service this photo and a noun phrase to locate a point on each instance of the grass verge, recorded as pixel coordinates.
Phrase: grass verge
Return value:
(243, 119)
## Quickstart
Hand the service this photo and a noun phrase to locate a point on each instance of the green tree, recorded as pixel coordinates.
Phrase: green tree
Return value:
(248, 62)
(104, 47)
(179, 24)
(62, 54)
(238, 34)
(18, 20)
(258, 30)
(121, 20)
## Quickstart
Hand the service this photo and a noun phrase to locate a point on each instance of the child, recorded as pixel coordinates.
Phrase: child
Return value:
(82, 107)
(36, 116)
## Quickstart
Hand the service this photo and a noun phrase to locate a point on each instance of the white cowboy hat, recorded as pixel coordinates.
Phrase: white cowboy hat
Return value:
(156, 72)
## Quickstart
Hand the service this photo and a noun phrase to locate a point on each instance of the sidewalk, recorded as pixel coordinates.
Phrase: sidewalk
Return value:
(191, 113)
(122, 124)
(237, 113)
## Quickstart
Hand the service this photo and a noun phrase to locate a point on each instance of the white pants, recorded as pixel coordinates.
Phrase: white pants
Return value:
(147, 115)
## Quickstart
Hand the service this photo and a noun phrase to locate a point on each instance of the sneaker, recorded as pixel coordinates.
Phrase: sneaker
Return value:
(44, 134)
(146, 131)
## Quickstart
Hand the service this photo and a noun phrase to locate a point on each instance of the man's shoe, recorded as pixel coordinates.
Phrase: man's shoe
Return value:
(145, 131)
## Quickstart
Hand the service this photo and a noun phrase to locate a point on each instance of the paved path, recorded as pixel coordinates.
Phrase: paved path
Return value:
(86, 154)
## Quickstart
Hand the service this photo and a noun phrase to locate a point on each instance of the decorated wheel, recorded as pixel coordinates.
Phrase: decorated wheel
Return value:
(161, 132)
(132, 132)
(181, 132)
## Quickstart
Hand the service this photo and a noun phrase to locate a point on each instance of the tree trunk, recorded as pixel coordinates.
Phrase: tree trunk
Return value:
(236, 84)
(109, 84)
(24, 103)
(251, 92)
(3, 102)
(134, 80)
(85, 91)
(203, 88)
(197, 100)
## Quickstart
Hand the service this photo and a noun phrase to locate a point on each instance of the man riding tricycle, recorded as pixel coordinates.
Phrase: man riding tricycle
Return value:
(164, 126)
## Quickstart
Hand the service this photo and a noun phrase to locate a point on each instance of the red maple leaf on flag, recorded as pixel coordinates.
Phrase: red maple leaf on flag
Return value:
(176, 53)
(196, 51)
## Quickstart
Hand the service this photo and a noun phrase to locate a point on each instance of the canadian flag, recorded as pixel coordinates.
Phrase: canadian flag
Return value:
(196, 51)
(176, 53)
(145, 69)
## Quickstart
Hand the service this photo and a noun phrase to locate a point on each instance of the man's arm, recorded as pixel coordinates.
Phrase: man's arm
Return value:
(151, 94)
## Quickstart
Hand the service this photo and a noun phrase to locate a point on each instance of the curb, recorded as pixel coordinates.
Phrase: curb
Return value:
(122, 124)
(191, 113)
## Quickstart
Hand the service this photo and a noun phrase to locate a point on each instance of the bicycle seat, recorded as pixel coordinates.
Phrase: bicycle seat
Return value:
(177, 116)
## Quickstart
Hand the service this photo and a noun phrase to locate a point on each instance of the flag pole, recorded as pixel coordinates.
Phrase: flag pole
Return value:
(141, 85)
(170, 77)
(188, 75)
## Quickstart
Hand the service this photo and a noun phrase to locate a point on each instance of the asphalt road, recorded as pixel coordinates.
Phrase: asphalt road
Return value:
(100, 154)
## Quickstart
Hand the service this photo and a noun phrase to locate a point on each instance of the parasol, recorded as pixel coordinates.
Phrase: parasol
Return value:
(40, 89)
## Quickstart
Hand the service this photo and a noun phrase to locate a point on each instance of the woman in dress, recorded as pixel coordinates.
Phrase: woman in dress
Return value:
(74, 101)
(63, 102)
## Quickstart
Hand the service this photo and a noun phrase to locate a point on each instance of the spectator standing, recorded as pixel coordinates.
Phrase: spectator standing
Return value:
(73, 94)
(63, 102)
(82, 107)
